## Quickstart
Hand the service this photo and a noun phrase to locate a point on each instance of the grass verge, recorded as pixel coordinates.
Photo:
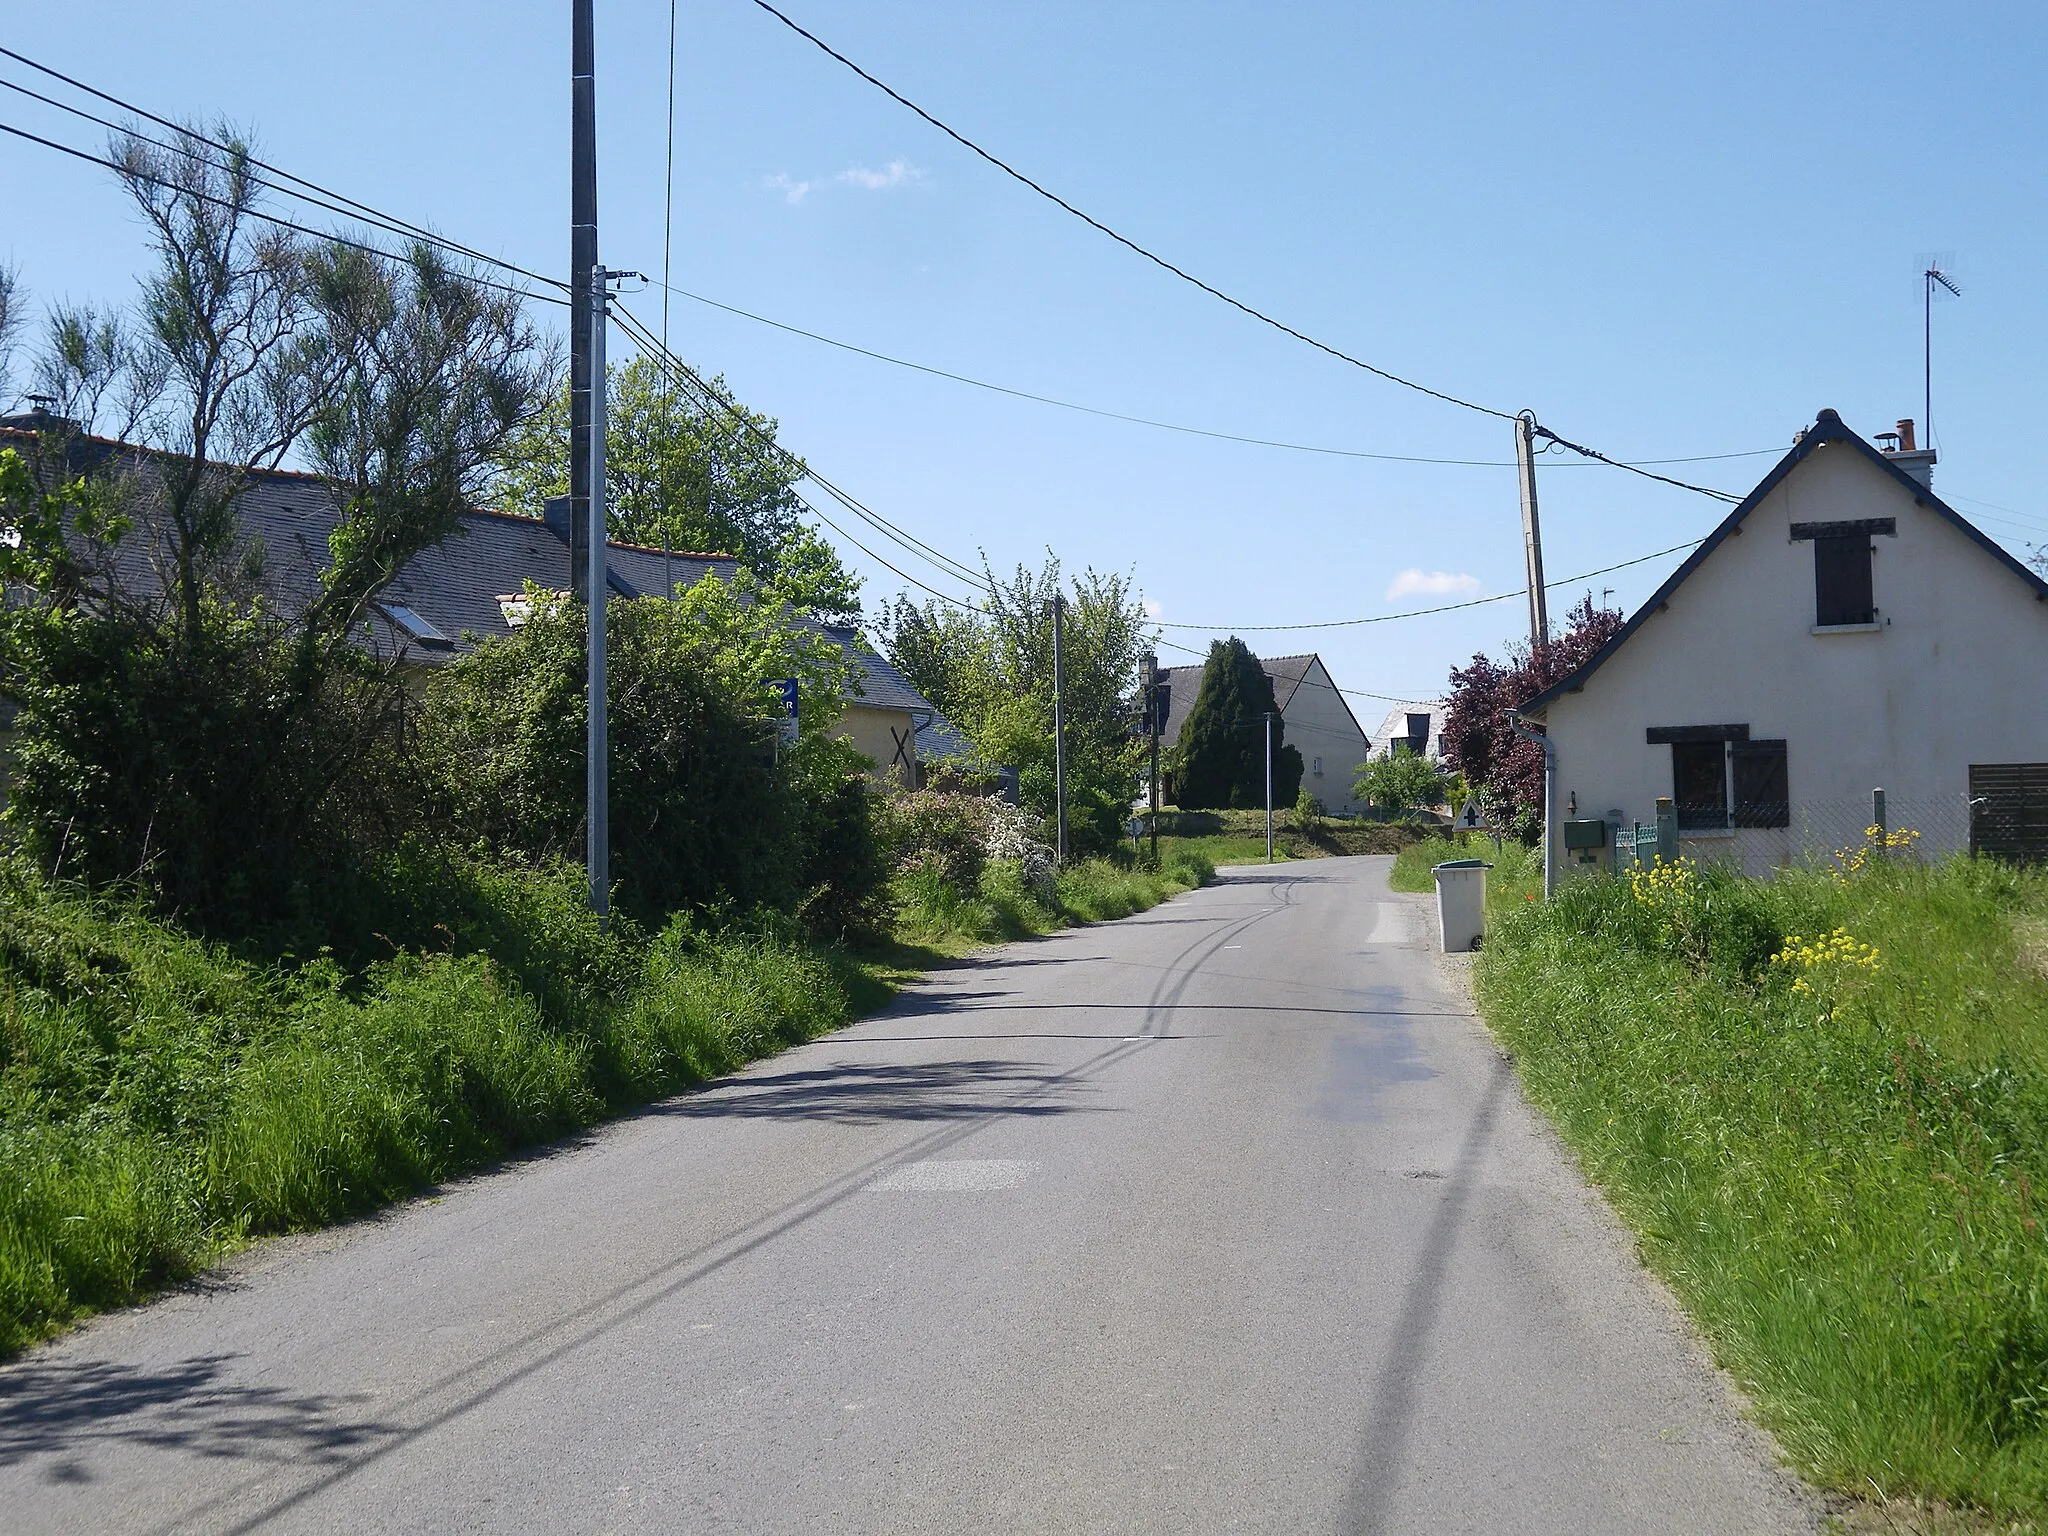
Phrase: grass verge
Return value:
(1514, 878)
(1239, 837)
(1822, 1104)
(162, 1101)
(935, 913)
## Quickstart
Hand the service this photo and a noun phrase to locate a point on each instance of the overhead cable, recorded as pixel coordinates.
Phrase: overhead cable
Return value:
(353, 208)
(1418, 613)
(244, 211)
(361, 209)
(1188, 277)
(707, 393)
(1121, 239)
(1146, 421)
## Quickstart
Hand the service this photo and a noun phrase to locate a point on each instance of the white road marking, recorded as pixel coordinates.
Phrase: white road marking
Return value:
(954, 1175)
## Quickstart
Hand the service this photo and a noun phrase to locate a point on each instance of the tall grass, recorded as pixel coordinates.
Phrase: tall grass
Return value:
(935, 911)
(1822, 1103)
(162, 1100)
(1516, 875)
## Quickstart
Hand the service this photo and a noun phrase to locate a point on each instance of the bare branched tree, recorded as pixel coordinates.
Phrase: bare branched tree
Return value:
(227, 341)
(89, 371)
(11, 318)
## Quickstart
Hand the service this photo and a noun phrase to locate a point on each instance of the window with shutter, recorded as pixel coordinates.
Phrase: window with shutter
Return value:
(1841, 580)
(1763, 796)
(1699, 784)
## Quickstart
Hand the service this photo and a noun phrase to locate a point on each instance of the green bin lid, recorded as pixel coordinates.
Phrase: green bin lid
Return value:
(1461, 864)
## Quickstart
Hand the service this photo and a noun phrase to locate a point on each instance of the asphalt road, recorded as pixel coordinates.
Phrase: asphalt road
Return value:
(1225, 1217)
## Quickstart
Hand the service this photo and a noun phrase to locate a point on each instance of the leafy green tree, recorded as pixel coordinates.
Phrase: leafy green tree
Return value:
(1221, 755)
(1400, 781)
(702, 809)
(990, 672)
(686, 463)
(176, 727)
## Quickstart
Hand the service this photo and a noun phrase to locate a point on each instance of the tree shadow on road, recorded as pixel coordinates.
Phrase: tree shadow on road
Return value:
(65, 1409)
(865, 1093)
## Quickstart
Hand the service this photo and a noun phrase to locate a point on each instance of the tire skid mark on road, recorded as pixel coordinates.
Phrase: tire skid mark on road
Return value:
(442, 1402)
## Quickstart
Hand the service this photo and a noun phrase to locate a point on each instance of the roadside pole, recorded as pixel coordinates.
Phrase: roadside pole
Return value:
(1532, 536)
(1155, 717)
(1269, 786)
(582, 262)
(1059, 721)
(597, 745)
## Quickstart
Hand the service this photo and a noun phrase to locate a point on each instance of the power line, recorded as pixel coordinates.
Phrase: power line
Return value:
(1188, 277)
(1121, 239)
(1418, 613)
(1357, 693)
(390, 222)
(244, 211)
(704, 391)
(1145, 421)
(708, 395)
(949, 566)
(349, 207)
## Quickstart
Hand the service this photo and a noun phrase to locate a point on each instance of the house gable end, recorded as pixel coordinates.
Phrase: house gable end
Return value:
(1827, 429)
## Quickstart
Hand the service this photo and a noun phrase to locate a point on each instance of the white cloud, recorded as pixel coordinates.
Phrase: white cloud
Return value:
(894, 174)
(1419, 583)
(1152, 608)
(791, 189)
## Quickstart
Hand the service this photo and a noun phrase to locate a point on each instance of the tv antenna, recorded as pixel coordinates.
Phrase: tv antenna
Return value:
(1931, 279)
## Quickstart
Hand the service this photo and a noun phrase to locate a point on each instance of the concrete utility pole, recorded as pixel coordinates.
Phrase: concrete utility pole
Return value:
(597, 813)
(582, 263)
(1059, 721)
(1269, 786)
(1532, 533)
(1155, 725)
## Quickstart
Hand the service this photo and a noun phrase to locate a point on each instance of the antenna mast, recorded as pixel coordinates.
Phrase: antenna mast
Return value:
(1930, 278)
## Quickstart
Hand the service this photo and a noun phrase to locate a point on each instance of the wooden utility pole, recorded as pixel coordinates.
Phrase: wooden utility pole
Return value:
(582, 263)
(1059, 721)
(1532, 534)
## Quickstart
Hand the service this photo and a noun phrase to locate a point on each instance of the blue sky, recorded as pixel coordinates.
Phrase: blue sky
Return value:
(1668, 230)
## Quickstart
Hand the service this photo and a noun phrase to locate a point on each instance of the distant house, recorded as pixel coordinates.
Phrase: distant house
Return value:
(1317, 722)
(1416, 728)
(472, 586)
(1843, 630)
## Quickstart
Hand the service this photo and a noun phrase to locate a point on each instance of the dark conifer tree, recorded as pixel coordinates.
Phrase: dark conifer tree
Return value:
(1222, 748)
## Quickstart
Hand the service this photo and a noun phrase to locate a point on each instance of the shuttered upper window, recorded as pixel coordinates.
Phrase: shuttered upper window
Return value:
(1842, 590)
(1841, 581)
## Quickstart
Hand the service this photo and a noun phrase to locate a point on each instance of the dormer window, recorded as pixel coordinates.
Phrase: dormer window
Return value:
(1844, 596)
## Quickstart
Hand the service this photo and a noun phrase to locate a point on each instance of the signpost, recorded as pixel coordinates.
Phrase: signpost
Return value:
(788, 717)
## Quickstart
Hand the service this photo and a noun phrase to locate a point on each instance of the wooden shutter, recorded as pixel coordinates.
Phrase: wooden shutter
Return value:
(2009, 811)
(1699, 783)
(1763, 796)
(1841, 580)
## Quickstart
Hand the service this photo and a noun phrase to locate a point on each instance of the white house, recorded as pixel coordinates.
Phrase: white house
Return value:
(1417, 727)
(1844, 630)
(1315, 719)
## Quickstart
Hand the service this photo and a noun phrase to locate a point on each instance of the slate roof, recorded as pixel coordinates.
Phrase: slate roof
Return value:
(1287, 672)
(1395, 726)
(1827, 428)
(285, 519)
